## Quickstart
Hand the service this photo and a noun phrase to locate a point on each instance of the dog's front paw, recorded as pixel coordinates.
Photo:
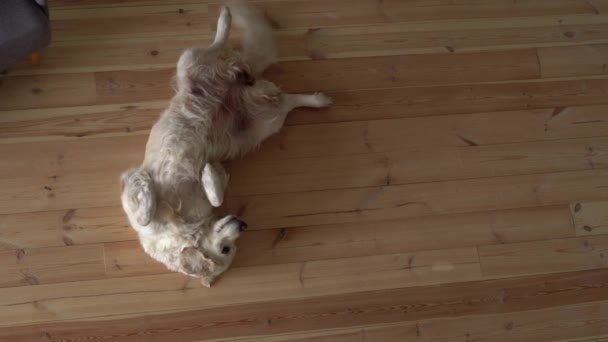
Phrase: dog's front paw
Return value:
(225, 12)
(322, 100)
(225, 18)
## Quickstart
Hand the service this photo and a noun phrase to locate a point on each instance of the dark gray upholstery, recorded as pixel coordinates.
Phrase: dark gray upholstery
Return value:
(24, 29)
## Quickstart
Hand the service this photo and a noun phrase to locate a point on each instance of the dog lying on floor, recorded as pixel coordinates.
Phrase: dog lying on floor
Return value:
(220, 111)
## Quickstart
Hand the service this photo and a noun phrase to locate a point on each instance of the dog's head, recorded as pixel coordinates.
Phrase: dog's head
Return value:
(203, 250)
(214, 252)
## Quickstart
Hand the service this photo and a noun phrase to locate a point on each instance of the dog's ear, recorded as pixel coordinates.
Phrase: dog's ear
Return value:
(138, 199)
(195, 263)
(215, 180)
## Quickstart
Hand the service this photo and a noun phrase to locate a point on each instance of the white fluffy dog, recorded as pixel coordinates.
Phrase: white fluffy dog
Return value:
(220, 111)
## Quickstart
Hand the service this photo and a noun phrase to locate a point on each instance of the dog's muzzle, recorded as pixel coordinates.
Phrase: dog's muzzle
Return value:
(242, 225)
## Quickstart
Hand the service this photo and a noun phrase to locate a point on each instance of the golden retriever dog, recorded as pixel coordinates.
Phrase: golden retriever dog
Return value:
(220, 111)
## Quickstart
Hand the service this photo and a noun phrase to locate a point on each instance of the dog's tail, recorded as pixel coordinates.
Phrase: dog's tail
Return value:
(259, 49)
(138, 197)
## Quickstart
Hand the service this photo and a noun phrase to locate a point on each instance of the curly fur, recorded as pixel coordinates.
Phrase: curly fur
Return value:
(220, 111)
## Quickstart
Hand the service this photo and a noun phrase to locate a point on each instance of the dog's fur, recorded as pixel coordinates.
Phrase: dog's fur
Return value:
(220, 111)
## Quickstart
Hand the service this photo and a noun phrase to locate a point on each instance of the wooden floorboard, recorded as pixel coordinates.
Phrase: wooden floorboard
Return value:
(590, 218)
(566, 322)
(457, 189)
(504, 296)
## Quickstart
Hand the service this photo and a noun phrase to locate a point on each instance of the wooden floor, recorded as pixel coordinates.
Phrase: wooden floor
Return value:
(456, 191)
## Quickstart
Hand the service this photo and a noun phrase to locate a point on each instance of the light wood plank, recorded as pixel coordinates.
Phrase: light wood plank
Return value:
(590, 218)
(339, 311)
(127, 22)
(46, 193)
(421, 268)
(414, 70)
(339, 139)
(129, 86)
(96, 174)
(328, 335)
(440, 8)
(51, 265)
(290, 14)
(153, 85)
(454, 36)
(59, 159)
(128, 259)
(593, 339)
(570, 322)
(112, 54)
(456, 99)
(399, 236)
(601, 6)
(461, 129)
(136, 53)
(158, 19)
(393, 202)
(414, 166)
(64, 228)
(241, 285)
(77, 123)
(41, 91)
(73, 4)
(366, 239)
(125, 259)
(395, 102)
(311, 208)
(558, 255)
(109, 224)
(568, 61)
(342, 138)
(70, 123)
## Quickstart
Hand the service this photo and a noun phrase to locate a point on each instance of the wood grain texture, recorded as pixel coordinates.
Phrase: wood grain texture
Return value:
(359, 105)
(50, 265)
(148, 85)
(590, 218)
(65, 166)
(571, 254)
(131, 21)
(141, 51)
(161, 18)
(370, 134)
(573, 60)
(64, 228)
(108, 224)
(456, 99)
(339, 311)
(398, 167)
(566, 322)
(455, 191)
(414, 200)
(42, 91)
(140, 295)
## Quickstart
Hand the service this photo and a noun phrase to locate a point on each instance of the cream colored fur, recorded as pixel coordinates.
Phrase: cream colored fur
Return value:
(220, 111)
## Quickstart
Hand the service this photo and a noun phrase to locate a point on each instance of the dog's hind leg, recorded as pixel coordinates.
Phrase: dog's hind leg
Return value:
(287, 102)
(191, 58)
(138, 197)
(316, 100)
(259, 48)
(223, 28)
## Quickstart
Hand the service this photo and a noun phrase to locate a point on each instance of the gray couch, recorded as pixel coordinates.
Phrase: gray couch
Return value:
(24, 29)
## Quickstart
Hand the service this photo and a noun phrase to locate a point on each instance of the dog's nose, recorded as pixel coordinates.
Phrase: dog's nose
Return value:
(242, 225)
